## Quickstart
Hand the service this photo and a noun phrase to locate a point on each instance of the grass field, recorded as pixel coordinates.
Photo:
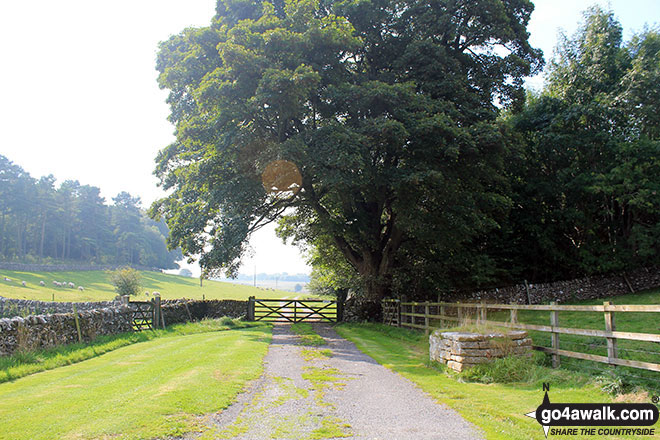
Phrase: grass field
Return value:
(497, 408)
(98, 288)
(153, 389)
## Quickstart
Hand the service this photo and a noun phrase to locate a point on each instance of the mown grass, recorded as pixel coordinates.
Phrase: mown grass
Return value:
(497, 408)
(154, 389)
(24, 363)
(98, 288)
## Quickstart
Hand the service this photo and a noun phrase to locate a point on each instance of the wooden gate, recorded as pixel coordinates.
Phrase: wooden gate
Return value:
(392, 312)
(142, 315)
(293, 310)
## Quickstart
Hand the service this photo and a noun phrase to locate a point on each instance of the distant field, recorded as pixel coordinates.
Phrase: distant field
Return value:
(98, 288)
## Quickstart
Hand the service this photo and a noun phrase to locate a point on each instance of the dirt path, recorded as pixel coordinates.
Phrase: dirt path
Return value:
(333, 391)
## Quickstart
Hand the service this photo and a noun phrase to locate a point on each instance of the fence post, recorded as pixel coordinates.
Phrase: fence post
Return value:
(75, 317)
(514, 315)
(124, 300)
(426, 318)
(398, 312)
(554, 322)
(442, 313)
(340, 310)
(250, 310)
(610, 326)
(459, 315)
(529, 299)
(482, 312)
(156, 320)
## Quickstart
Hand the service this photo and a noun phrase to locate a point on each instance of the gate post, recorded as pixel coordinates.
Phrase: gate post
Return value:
(250, 309)
(340, 310)
(157, 313)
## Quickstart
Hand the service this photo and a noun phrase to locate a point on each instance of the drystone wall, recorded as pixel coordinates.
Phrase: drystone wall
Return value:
(176, 311)
(42, 331)
(459, 350)
(10, 307)
(566, 291)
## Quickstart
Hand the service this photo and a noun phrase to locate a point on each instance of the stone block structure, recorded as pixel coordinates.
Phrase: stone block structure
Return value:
(461, 350)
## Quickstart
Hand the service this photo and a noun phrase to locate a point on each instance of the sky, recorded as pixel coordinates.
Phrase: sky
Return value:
(80, 98)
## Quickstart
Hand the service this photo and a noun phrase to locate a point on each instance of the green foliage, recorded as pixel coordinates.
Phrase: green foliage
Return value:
(585, 175)
(387, 109)
(43, 224)
(127, 281)
(509, 369)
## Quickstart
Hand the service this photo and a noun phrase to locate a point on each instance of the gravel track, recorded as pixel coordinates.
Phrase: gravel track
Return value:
(304, 394)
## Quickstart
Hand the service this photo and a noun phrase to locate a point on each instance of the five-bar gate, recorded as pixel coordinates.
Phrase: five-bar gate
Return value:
(293, 310)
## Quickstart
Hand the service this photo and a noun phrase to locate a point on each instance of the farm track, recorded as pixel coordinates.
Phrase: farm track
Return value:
(332, 391)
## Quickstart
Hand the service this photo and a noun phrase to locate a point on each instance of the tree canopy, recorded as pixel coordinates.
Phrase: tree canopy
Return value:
(387, 108)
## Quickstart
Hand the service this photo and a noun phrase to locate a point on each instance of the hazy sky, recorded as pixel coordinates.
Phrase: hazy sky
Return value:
(80, 98)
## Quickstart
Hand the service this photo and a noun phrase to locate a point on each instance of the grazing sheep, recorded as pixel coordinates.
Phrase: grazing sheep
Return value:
(155, 293)
(72, 285)
(7, 279)
(24, 283)
(42, 284)
(147, 293)
(81, 288)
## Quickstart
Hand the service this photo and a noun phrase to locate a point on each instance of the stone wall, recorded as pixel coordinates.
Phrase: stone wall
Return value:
(96, 318)
(567, 291)
(174, 311)
(459, 350)
(42, 331)
(10, 307)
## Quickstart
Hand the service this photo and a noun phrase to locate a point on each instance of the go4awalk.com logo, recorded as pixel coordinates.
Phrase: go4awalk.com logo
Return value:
(583, 418)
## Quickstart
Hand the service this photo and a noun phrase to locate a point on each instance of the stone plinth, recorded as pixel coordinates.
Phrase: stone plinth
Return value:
(461, 350)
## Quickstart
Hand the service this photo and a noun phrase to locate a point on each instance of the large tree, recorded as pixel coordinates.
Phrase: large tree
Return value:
(387, 108)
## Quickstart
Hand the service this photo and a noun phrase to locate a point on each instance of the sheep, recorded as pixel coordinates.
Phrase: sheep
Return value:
(81, 288)
(154, 293)
(42, 284)
(72, 285)
(7, 279)
(147, 293)
(23, 283)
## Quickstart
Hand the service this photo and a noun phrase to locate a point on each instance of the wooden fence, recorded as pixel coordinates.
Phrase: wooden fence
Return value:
(427, 316)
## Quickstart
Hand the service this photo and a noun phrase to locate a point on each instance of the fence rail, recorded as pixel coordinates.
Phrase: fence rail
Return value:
(419, 315)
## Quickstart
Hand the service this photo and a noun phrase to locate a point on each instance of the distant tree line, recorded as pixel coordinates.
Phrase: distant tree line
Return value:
(40, 222)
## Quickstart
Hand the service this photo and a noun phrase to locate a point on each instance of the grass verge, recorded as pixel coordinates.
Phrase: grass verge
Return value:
(22, 364)
(498, 409)
(155, 389)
